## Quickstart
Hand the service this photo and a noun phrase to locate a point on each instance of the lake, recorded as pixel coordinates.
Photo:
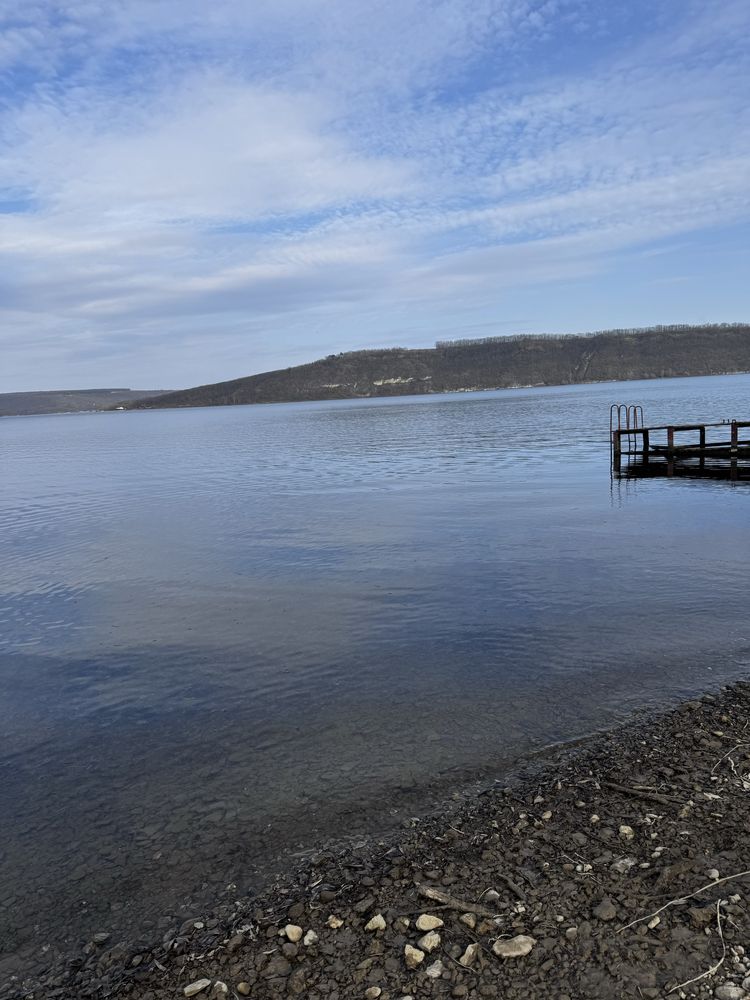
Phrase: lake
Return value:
(228, 634)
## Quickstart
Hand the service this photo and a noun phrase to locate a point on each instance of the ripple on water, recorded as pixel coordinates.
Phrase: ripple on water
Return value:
(227, 632)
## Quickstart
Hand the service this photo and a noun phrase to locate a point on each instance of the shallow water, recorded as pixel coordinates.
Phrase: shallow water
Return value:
(227, 633)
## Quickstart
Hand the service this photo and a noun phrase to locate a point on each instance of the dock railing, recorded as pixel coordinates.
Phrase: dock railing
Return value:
(724, 458)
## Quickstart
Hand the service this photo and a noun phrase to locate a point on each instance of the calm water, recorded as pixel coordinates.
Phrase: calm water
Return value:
(225, 633)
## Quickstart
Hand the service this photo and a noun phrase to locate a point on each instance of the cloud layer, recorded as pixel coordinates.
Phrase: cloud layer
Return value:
(190, 193)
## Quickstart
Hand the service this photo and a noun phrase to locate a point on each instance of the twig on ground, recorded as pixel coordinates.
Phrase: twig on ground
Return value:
(429, 892)
(514, 888)
(683, 899)
(717, 966)
(639, 793)
(713, 769)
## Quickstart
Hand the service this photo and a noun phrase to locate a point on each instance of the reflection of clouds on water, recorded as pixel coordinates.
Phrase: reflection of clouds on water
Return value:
(255, 625)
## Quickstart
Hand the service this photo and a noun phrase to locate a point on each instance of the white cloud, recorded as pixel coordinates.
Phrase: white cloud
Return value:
(177, 174)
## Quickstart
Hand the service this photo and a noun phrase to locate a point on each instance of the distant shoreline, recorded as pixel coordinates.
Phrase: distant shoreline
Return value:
(490, 364)
(344, 399)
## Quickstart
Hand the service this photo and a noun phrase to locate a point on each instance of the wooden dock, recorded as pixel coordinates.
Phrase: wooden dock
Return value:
(718, 450)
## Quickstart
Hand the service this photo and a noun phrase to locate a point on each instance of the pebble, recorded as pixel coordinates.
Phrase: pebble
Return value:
(220, 990)
(412, 956)
(429, 942)
(377, 923)
(627, 832)
(335, 922)
(101, 938)
(193, 989)
(469, 956)
(310, 938)
(373, 993)
(623, 865)
(426, 922)
(435, 970)
(516, 947)
(605, 910)
(293, 932)
(244, 989)
(728, 991)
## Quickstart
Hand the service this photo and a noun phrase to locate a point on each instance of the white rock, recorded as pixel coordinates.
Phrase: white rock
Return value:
(197, 987)
(376, 924)
(426, 922)
(746, 984)
(547, 815)
(627, 832)
(293, 932)
(469, 956)
(623, 865)
(412, 956)
(728, 991)
(435, 970)
(492, 896)
(310, 938)
(712, 873)
(373, 993)
(469, 919)
(335, 922)
(594, 818)
(653, 922)
(220, 990)
(520, 945)
(429, 942)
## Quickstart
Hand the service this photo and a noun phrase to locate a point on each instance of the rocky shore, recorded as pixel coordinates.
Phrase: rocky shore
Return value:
(616, 870)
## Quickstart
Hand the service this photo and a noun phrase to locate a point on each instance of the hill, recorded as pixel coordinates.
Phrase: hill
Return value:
(14, 404)
(491, 363)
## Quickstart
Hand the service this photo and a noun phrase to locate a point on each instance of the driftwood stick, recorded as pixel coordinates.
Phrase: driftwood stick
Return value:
(429, 892)
(639, 793)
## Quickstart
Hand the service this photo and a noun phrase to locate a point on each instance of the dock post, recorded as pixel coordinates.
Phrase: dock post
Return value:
(733, 452)
(702, 441)
(670, 452)
(616, 451)
(646, 445)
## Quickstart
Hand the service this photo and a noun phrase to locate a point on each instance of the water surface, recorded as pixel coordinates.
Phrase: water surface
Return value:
(228, 633)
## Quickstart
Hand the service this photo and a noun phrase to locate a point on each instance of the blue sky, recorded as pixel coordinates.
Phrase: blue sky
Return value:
(193, 191)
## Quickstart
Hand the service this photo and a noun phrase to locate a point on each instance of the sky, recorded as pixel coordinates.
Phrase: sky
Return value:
(195, 191)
